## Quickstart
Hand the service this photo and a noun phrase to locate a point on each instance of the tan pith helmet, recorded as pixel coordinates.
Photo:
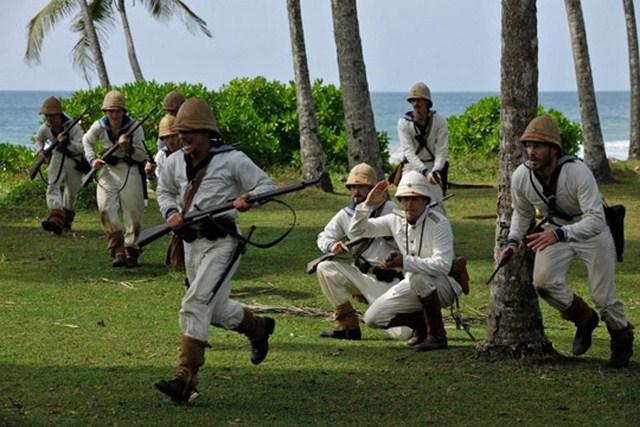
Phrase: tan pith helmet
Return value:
(413, 183)
(419, 91)
(165, 126)
(195, 114)
(361, 174)
(51, 105)
(113, 100)
(173, 101)
(542, 129)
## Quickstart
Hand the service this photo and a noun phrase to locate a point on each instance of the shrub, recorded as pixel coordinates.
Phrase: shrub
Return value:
(477, 130)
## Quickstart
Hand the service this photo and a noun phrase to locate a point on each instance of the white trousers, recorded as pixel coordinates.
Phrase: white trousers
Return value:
(550, 275)
(205, 263)
(339, 281)
(121, 186)
(403, 297)
(62, 170)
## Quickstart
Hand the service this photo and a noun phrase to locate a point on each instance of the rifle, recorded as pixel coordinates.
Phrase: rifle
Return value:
(313, 264)
(152, 234)
(507, 257)
(47, 151)
(89, 176)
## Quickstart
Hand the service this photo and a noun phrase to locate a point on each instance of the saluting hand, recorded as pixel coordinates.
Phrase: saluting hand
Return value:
(378, 194)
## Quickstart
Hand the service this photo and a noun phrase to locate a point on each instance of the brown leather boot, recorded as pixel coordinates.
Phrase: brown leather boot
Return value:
(69, 216)
(436, 334)
(414, 321)
(182, 388)
(257, 329)
(55, 221)
(349, 323)
(621, 346)
(459, 272)
(115, 245)
(586, 319)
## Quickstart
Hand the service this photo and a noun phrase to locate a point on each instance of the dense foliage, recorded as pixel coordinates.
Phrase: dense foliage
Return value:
(258, 116)
(477, 130)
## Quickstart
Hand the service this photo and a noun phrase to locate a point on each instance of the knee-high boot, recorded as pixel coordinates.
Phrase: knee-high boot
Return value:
(182, 388)
(621, 346)
(586, 319)
(436, 334)
(257, 329)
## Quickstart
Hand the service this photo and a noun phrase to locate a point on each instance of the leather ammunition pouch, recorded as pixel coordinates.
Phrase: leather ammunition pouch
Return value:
(210, 229)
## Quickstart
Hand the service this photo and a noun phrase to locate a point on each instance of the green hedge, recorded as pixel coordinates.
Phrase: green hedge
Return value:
(477, 130)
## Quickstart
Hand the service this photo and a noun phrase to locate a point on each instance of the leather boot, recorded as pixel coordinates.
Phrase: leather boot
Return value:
(182, 388)
(115, 245)
(621, 346)
(55, 221)
(69, 216)
(459, 272)
(349, 323)
(436, 334)
(414, 321)
(131, 256)
(586, 319)
(257, 329)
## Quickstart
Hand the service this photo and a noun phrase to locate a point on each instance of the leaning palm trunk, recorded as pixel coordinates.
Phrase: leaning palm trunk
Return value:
(361, 131)
(314, 164)
(594, 154)
(514, 323)
(131, 50)
(634, 78)
(92, 35)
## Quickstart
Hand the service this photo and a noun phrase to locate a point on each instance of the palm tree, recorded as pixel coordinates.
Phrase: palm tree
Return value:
(358, 113)
(634, 77)
(314, 164)
(514, 324)
(594, 154)
(54, 12)
(102, 17)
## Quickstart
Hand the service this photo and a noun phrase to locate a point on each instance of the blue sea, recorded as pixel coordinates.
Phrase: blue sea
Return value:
(19, 117)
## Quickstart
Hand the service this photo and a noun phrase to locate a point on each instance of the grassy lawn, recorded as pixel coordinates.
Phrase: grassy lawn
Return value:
(81, 342)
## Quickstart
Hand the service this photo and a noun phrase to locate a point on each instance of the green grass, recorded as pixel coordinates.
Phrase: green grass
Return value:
(81, 342)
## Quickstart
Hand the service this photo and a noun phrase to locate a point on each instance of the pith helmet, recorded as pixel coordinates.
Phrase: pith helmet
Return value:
(195, 114)
(173, 100)
(542, 129)
(164, 127)
(413, 183)
(51, 105)
(419, 91)
(362, 174)
(113, 100)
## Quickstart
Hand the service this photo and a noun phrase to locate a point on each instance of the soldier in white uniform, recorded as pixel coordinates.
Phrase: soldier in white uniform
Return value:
(171, 144)
(65, 165)
(424, 140)
(565, 192)
(364, 277)
(425, 254)
(217, 173)
(120, 184)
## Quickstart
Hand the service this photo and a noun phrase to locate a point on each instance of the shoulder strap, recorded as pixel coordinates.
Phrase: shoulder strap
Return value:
(548, 195)
(421, 137)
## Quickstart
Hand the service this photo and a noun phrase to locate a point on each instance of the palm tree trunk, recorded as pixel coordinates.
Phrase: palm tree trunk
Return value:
(314, 164)
(514, 324)
(361, 132)
(98, 59)
(634, 77)
(594, 153)
(131, 50)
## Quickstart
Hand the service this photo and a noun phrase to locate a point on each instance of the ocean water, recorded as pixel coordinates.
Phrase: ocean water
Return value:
(19, 118)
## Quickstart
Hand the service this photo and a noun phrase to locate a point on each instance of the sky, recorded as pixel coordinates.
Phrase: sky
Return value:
(451, 45)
